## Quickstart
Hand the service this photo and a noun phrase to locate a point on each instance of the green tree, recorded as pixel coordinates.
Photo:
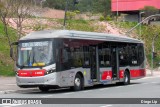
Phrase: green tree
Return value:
(150, 10)
(17, 10)
(21, 9)
(5, 7)
(92, 6)
(103, 6)
(58, 4)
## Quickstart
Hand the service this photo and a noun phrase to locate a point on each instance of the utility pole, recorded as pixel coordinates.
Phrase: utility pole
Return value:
(140, 19)
(42, 8)
(117, 10)
(65, 15)
(66, 9)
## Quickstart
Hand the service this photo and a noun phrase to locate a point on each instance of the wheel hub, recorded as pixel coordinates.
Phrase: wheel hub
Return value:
(126, 78)
(77, 81)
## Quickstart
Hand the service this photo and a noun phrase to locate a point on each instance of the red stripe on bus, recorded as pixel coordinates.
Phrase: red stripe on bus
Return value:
(121, 74)
(31, 73)
(138, 73)
(106, 75)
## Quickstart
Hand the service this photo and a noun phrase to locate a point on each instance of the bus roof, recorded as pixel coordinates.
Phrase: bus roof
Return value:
(78, 35)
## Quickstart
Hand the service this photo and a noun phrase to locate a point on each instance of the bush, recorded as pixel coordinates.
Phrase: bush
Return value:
(108, 18)
(101, 18)
(71, 15)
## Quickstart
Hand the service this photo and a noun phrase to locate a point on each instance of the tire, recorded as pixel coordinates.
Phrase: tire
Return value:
(43, 88)
(78, 83)
(126, 78)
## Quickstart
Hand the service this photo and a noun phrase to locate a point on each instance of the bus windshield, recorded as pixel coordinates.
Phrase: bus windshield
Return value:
(31, 54)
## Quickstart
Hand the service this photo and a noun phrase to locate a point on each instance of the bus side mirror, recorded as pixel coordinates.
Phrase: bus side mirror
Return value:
(12, 51)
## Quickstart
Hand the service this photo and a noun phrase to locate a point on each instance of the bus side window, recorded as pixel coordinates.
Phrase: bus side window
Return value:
(123, 56)
(87, 62)
(104, 55)
(86, 56)
(133, 55)
(140, 55)
(65, 55)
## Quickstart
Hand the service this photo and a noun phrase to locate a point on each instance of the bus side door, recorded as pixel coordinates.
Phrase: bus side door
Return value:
(114, 62)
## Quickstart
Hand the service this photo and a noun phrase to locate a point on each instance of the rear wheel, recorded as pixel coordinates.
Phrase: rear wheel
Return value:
(43, 88)
(78, 83)
(126, 78)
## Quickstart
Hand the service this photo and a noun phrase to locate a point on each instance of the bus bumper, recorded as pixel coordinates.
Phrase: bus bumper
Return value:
(48, 80)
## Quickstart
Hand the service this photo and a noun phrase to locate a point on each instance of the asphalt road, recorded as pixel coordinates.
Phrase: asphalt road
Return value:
(148, 87)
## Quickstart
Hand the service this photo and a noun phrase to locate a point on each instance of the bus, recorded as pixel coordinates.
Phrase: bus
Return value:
(66, 58)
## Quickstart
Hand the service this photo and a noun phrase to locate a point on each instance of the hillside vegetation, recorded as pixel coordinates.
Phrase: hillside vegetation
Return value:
(148, 32)
(6, 63)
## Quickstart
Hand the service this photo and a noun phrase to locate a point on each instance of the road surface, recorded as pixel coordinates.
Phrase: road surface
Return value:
(148, 87)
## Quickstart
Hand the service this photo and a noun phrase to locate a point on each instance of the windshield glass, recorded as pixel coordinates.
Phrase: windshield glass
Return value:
(35, 53)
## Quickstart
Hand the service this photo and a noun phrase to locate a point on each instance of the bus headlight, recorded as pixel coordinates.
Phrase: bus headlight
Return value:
(17, 73)
(50, 71)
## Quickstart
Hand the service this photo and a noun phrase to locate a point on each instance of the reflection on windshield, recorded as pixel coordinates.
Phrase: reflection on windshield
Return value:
(35, 53)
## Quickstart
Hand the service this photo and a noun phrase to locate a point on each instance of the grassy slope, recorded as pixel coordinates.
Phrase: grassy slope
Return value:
(81, 25)
(6, 63)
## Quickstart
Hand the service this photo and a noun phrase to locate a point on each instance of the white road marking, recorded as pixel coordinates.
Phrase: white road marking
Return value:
(46, 96)
(130, 85)
(9, 105)
(87, 91)
(69, 93)
(118, 87)
(151, 77)
(154, 82)
(103, 89)
(106, 106)
(145, 83)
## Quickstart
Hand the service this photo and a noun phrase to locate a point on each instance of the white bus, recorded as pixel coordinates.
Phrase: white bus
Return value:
(77, 59)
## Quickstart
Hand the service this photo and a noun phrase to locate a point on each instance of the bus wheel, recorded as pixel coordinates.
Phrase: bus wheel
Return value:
(126, 78)
(78, 85)
(43, 88)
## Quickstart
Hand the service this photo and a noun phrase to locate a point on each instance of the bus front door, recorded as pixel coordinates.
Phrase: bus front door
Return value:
(93, 65)
(114, 61)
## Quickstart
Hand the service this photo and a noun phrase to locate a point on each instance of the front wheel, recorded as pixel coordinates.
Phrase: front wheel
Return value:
(126, 78)
(78, 83)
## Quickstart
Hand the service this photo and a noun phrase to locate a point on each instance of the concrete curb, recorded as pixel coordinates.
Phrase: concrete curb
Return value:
(7, 91)
(22, 90)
